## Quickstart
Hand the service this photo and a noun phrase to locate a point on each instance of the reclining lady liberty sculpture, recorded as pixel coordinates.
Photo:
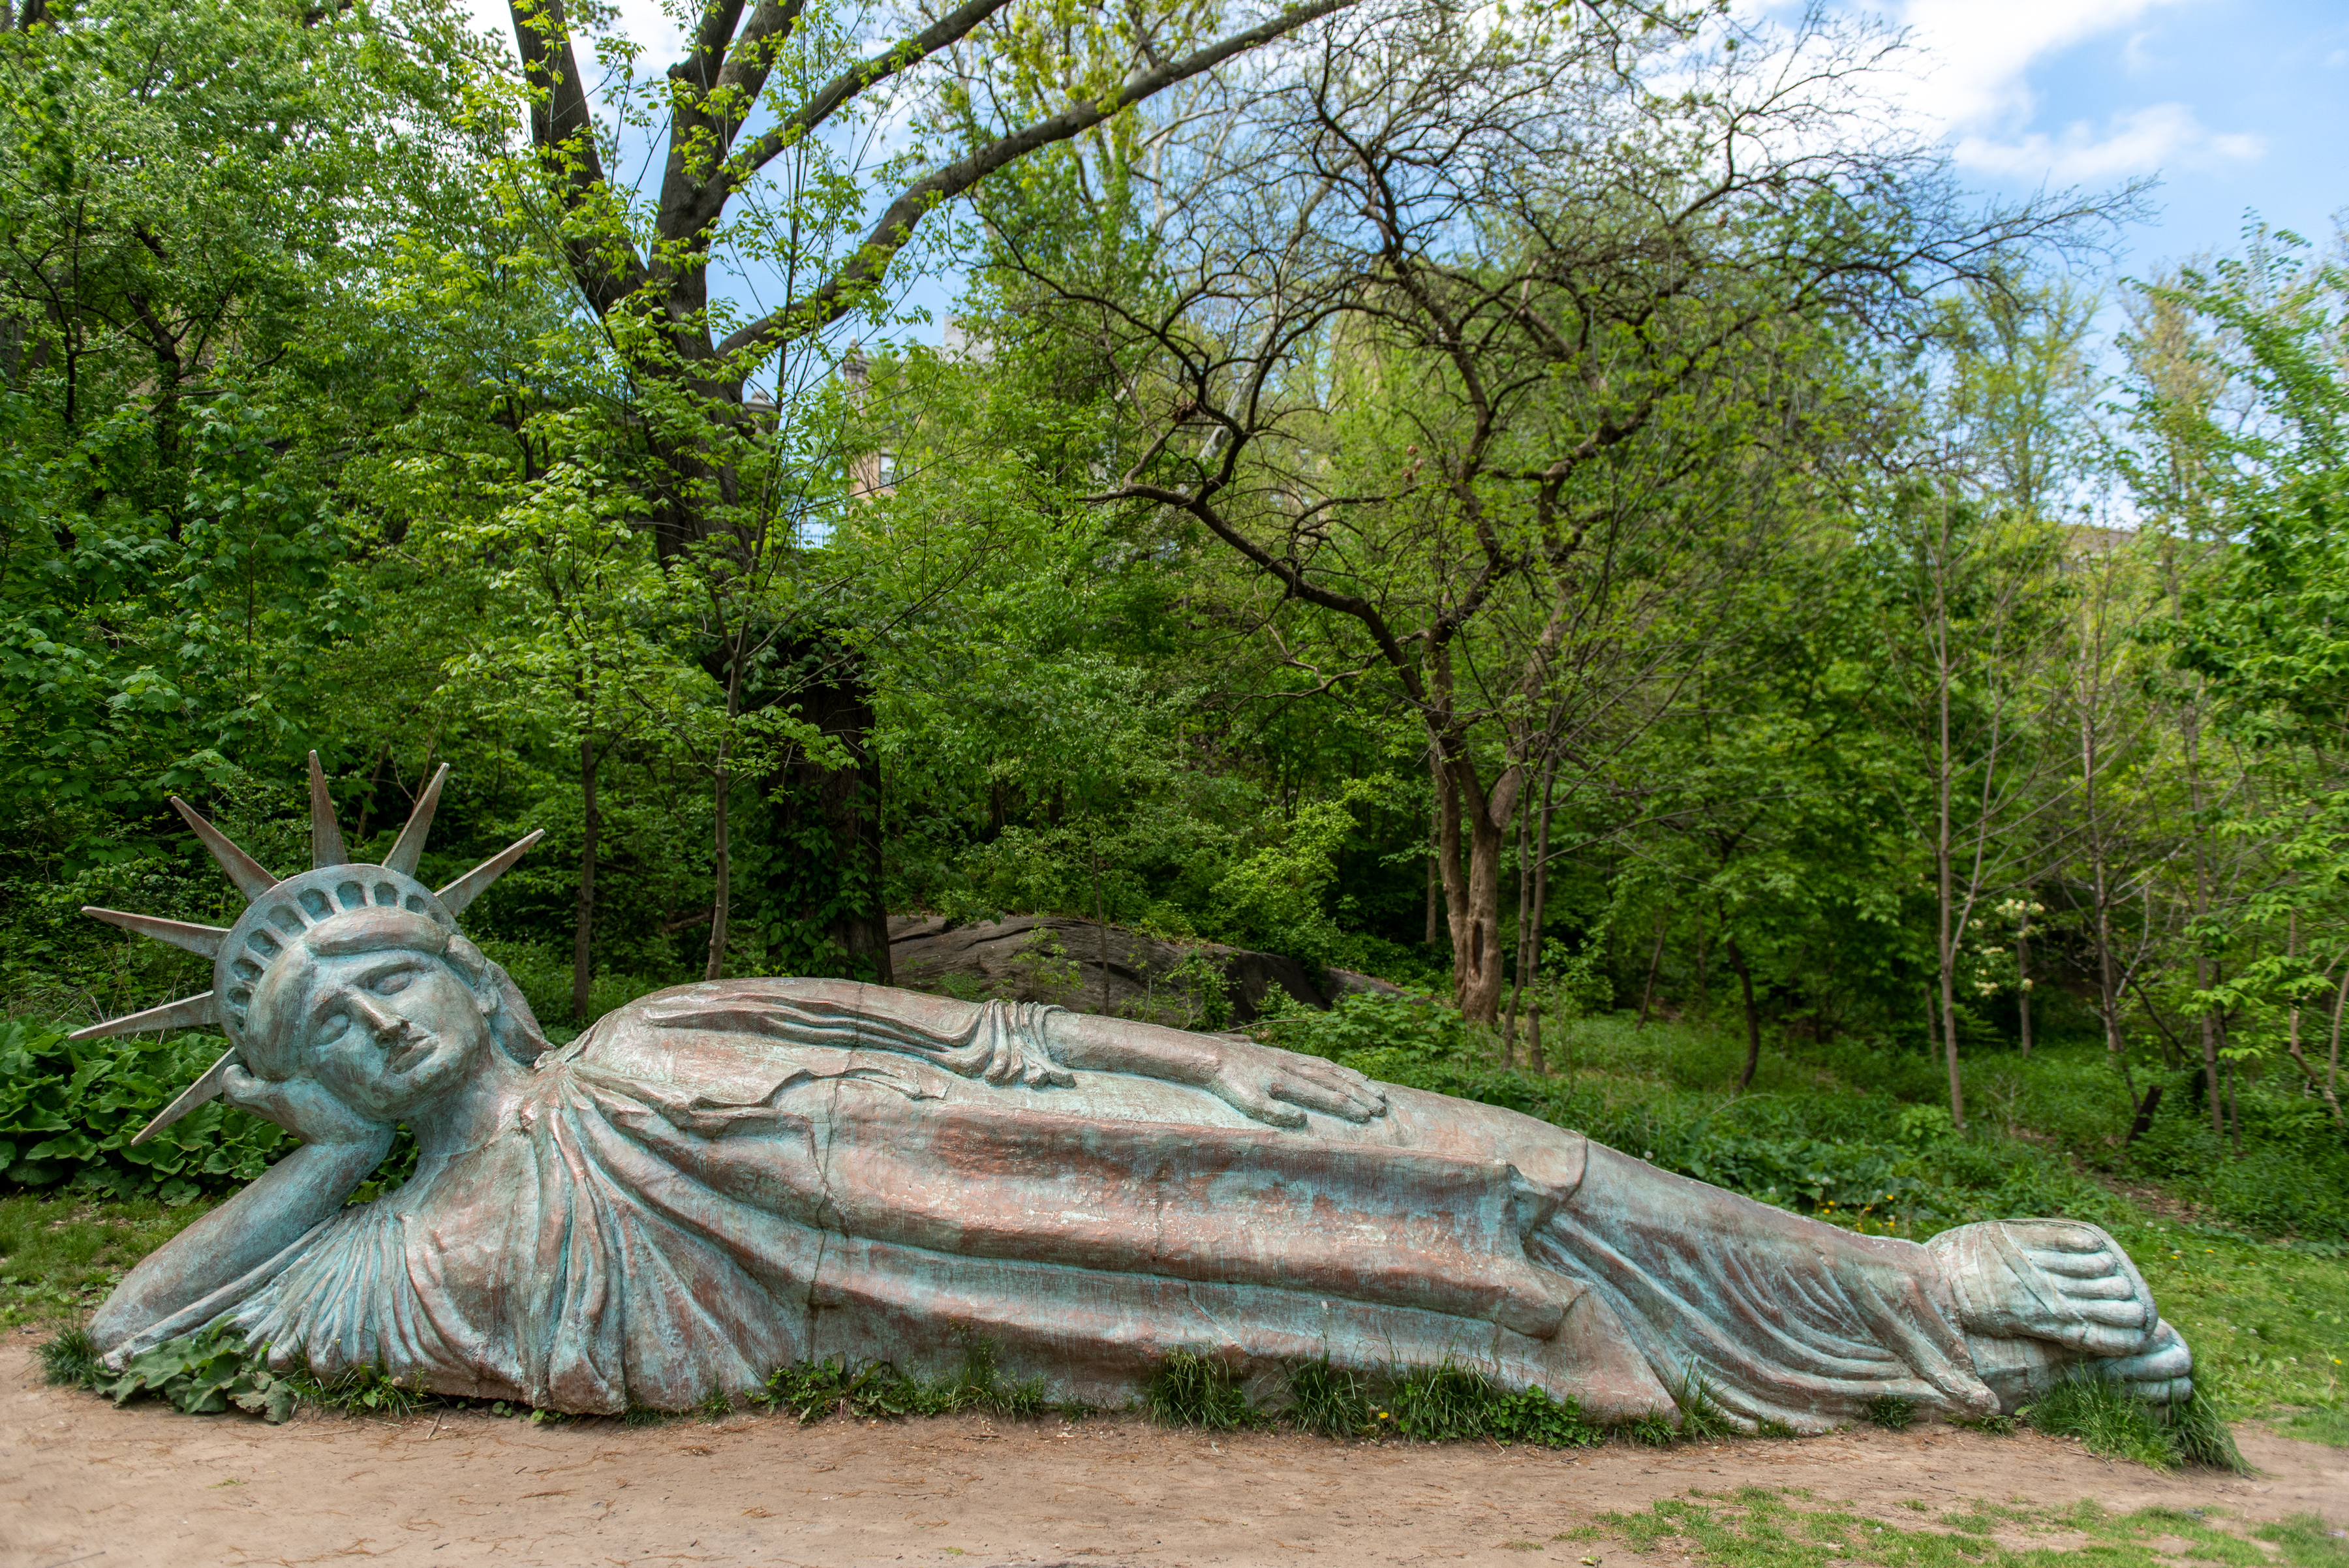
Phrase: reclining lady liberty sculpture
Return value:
(724, 1177)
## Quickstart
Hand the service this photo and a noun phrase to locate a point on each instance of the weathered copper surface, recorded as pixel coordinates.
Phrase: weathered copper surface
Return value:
(724, 1177)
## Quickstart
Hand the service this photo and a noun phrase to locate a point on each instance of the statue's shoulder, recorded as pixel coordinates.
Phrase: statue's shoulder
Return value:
(736, 1041)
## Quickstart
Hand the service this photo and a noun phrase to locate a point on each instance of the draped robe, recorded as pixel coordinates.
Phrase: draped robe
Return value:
(722, 1178)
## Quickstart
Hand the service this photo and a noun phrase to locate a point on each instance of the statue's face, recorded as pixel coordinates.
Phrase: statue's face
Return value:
(390, 1032)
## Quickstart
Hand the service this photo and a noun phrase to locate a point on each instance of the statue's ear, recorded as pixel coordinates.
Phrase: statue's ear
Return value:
(481, 976)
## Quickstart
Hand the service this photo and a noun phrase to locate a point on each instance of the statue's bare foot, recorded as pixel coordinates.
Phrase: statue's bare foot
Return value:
(2037, 1296)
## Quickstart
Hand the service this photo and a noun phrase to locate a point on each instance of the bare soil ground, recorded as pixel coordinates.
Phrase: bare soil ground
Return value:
(81, 1482)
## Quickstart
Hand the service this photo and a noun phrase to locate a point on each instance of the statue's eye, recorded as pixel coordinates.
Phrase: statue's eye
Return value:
(332, 1027)
(393, 983)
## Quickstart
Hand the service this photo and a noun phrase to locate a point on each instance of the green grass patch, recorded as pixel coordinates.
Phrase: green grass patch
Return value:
(2109, 1420)
(1193, 1391)
(877, 1390)
(1756, 1527)
(59, 1256)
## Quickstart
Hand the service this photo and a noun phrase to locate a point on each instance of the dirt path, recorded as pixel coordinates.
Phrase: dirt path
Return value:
(82, 1483)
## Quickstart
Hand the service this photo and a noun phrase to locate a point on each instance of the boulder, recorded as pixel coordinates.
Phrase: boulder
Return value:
(1089, 967)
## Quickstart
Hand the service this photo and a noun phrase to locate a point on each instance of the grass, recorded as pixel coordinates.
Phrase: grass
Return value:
(812, 1389)
(1758, 1527)
(60, 1256)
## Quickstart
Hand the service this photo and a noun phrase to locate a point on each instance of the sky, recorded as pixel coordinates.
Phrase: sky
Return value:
(2237, 109)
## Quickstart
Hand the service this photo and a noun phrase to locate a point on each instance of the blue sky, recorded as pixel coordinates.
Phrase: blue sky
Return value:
(2234, 105)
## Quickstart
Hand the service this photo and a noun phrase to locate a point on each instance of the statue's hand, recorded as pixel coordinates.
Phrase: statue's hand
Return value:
(303, 1106)
(1258, 1079)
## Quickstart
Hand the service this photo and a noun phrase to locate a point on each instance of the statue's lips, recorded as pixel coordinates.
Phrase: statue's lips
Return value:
(411, 1053)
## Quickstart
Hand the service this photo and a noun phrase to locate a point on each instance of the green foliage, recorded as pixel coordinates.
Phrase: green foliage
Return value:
(2111, 1421)
(60, 1255)
(812, 1390)
(1762, 1527)
(69, 1111)
(201, 1374)
(1193, 1391)
(1452, 1402)
(1892, 1412)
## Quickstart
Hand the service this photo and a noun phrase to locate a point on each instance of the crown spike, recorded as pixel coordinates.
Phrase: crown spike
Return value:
(204, 940)
(326, 833)
(215, 1079)
(185, 1014)
(457, 895)
(408, 847)
(243, 869)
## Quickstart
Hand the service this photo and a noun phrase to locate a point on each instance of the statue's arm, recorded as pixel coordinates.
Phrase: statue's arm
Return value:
(286, 1203)
(1270, 1084)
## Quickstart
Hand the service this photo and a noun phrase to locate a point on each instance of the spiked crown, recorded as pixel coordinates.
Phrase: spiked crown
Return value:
(280, 911)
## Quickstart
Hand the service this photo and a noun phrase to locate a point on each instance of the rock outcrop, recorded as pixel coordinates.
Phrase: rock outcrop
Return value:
(1083, 965)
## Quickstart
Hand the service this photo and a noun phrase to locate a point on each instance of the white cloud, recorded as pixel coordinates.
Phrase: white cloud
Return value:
(1980, 51)
(1974, 85)
(2142, 140)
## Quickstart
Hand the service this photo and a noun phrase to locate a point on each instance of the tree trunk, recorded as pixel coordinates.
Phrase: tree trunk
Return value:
(1525, 933)
(1541, 910)
(1472, 893)
(1435, 924)
(1944, 845)
(1655, 965)
(583, 970)
(2022, 970)
(1752, 1013)
(722, 871)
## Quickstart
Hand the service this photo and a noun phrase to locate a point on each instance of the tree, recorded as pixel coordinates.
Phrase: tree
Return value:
(1487, 318)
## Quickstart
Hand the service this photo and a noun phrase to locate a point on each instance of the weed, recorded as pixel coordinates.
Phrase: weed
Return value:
(1997, 1426)
(1700, 1417)
(1892, 1412)
(1193, 1391)
(2110, 1420)
(2201, 1435)
(643, 1416)
(1775, 1427)
(1452, 1402)
(71, 1359)
(811, 1390)
(716, 1405)
(1653, 1430)
(1329, 1401)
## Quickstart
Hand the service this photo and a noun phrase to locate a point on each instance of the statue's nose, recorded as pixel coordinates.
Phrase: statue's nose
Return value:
(383, 1025)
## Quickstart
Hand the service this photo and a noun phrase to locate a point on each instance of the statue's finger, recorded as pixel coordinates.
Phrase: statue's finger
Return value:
(240, 1088)
(2111, 1287)
(2117, 1314)
(1329, 1099)
(1265, 1108)
(2060, 1238)
(2069, 1264)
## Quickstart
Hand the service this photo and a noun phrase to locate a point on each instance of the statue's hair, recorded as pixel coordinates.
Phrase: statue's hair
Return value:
(273, 1031)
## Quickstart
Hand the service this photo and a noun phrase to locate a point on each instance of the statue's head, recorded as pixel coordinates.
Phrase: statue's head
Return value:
(349, 973)
(386, 1009)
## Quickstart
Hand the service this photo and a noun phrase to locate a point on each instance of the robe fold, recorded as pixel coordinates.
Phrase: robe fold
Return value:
(723, 1178)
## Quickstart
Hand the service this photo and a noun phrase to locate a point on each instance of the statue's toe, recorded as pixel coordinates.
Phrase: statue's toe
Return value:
(2162, 1372)
(2056, 1279)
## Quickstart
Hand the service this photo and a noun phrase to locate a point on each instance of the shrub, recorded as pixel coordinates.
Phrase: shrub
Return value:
(69, 1111)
